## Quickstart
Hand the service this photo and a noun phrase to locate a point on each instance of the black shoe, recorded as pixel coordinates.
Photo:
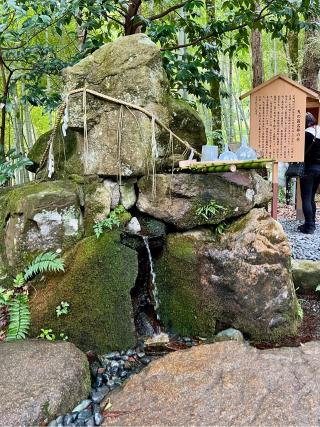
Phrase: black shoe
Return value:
(307, 229)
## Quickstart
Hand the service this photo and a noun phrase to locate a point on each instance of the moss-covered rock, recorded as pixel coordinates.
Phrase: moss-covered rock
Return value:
(185, 200)
(38, 217)
(99, 276)
(67, 154)
(241, 279)
(184, 307)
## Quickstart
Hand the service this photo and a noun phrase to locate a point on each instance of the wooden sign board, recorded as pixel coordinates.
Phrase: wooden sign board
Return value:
(277, 120)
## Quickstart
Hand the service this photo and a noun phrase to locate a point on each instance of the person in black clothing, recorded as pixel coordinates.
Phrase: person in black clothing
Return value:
(311, 180)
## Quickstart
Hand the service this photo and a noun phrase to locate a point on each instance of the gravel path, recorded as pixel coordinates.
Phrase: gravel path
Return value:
(304, 246)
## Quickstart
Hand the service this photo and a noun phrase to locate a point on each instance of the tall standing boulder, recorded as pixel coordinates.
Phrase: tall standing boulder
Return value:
(120, 140)
(242, 279)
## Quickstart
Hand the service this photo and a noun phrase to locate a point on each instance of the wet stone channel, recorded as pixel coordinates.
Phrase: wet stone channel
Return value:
(109, 372)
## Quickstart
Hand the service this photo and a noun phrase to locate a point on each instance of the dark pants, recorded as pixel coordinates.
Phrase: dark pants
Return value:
(309, 185)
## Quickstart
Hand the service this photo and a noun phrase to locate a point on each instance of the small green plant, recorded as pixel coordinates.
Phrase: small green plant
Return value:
(220, 228)
(210, 210)
(318, 288)
(299, 309)
(47, 334)
(11, 163)
(63, 308)
(111, 221)
(14, 303)
(63, 336)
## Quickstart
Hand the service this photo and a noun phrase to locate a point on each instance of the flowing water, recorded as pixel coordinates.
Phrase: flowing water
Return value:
(154, 289)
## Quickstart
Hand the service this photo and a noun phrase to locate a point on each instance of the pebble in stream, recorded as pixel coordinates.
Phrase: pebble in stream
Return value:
(109, 372)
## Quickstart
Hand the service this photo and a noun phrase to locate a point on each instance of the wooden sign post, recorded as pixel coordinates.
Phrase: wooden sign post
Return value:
(277, 121)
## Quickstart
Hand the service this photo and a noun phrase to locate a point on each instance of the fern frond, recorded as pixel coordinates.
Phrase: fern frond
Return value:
(48, 261)
(19, 318)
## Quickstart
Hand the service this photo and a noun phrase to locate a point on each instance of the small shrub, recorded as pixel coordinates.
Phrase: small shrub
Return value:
(63, 308)
(112, 220)
(210, 210)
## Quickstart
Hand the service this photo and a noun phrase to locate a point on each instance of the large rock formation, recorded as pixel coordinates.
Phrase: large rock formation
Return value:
(131, 70)
(241, 279)
(224, 384)
(178, 197)
(99, 276)
(40, 380)
(36, 218)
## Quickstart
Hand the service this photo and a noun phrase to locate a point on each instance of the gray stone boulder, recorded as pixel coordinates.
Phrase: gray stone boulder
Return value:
(242, 279)
(38, 217)
(179, 197)
(224, 384)
(306, 274)
(129, 69)
(40, 380)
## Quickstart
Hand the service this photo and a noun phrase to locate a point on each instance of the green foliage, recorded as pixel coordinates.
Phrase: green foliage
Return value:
(299, 310)
(210, 210)
(112, 220)
(19, 280)
(19, 313)
(5, 296)
(47, 334)
(48, 261)
(11, 163)
(63, 308)
(220, 229)
(16, 301)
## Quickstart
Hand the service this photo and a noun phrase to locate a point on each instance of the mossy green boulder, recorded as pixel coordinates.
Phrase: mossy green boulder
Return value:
(38, 217)
(98, 278)
(241, 279)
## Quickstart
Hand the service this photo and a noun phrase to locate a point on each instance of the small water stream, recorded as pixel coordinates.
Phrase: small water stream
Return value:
(153, 283)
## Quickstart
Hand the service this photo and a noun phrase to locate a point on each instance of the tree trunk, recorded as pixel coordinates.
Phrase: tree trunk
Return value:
(311, 60)
(293, 55)
(130, 27)
(6, 79)
(257, 54)
(216, 113)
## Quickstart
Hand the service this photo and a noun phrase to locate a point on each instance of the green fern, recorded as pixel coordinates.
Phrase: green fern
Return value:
(48, 261)
(20, 318)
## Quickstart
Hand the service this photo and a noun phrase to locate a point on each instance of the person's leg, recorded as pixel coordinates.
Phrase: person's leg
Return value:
(307, 186)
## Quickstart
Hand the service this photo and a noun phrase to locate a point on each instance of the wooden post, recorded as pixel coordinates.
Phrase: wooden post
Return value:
(275, 179)
(299, 211)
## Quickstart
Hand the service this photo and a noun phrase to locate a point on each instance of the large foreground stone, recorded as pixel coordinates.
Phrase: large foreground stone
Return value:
(178, 197)
(100, 274)
(40, 380)
(241, 279)
(131, 70)
(225, 384)
(36, 218)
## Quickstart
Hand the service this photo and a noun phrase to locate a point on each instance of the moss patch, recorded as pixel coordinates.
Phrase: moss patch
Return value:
(183, 307)
(99, 276)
